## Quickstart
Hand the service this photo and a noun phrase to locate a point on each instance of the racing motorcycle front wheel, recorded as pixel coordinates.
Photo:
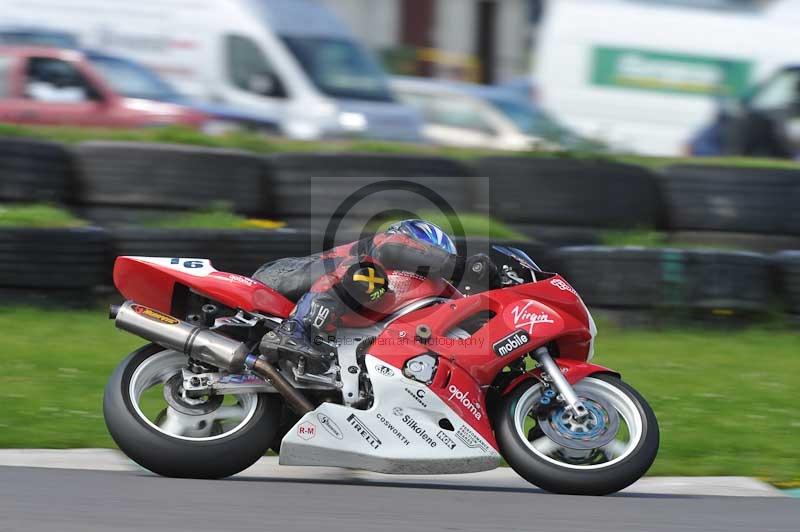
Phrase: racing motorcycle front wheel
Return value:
(157, 426)
(609, 449)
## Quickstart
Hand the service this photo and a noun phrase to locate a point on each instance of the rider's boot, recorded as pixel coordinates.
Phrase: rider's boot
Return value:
(313, 315)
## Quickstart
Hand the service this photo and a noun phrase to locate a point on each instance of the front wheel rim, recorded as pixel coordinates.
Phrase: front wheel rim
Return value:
(614, 452)
(221, 422)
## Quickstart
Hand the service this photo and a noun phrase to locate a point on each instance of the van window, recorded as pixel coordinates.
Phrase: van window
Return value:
(779, 92)
(249, 69)
(5, 76)
(340, 68)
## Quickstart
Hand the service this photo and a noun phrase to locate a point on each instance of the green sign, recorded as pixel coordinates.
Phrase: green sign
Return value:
(668, 72)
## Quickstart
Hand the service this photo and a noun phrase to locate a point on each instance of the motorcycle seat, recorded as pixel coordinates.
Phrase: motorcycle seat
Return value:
(291, 276)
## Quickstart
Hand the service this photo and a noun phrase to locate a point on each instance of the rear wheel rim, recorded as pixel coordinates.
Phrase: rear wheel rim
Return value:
(631, 417)
(221, 422)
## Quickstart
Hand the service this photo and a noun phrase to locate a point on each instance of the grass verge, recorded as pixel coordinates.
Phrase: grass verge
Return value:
(656, 240)
(723, 399)
(212, 218)
(38, 216)
(263, 144)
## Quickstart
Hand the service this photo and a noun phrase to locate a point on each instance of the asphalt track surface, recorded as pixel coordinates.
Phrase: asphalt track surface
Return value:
(63, 500)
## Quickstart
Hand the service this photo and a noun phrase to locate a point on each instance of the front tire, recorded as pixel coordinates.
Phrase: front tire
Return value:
(558, 469)
(208, 442)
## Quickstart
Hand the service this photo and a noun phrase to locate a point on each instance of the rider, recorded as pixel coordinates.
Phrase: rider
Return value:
(355, 279)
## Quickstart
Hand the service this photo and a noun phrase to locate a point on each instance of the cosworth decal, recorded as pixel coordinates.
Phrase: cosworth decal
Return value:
(510, 343)
(394, 430)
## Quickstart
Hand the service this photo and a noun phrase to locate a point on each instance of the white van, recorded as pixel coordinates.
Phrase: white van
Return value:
(290, 61)
(644, 74)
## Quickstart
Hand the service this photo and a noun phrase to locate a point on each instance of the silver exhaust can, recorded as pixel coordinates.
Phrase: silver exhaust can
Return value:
(199, 343)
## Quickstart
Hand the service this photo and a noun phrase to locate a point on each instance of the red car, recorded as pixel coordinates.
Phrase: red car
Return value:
(50, 86)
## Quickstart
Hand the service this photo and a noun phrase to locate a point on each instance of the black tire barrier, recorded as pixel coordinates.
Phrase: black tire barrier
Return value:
(236, 251)
(560, 236)
(57, 259)
(144, 175)
(720, 198)
(788, 267)
(740, 241)
(570, 192)
(309, 188)
(35, 171)
(716, 282)
(721, 281)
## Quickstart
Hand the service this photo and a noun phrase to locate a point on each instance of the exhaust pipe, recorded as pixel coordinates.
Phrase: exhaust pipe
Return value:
(203, 345)
(196, 342)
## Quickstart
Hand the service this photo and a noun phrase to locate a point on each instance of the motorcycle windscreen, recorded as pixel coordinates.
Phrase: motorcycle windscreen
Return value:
(519, 256)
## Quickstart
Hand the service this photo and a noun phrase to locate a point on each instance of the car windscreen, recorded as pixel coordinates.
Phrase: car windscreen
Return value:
(133, 80)
(537, 123)
(529, 120)
(340, 68)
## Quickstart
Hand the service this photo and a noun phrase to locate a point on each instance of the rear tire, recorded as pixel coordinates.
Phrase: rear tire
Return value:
(572, 478)
(171, 456)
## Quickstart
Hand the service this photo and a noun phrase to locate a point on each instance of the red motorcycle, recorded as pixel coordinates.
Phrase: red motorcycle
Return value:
(440, 383)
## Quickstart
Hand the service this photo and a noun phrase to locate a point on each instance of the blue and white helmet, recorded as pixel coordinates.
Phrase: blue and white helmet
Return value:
(424, 232)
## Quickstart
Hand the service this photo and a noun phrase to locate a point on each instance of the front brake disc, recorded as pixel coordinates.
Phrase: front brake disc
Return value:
(598, 428)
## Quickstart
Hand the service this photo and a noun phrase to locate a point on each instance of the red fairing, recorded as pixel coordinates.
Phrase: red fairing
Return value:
(546, 311)
(573, 370)
(150, 283)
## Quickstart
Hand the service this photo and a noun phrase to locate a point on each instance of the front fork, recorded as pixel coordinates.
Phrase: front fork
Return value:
(551, 370)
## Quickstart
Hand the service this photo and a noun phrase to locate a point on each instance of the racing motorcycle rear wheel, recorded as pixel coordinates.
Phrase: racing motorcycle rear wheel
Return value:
(603, 453)
(157, 426)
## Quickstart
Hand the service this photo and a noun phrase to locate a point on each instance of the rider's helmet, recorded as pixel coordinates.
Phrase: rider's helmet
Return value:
(424, 232)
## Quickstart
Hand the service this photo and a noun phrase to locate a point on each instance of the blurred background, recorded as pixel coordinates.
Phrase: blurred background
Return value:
(644, 148)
